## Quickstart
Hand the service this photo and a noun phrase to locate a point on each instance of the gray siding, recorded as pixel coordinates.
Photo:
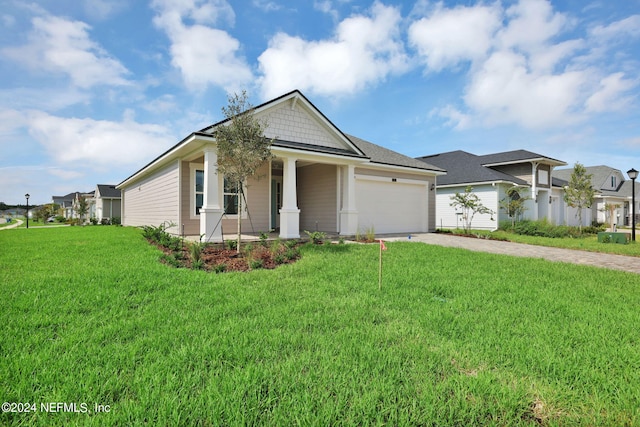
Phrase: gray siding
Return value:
(191, 226)
(521, 170)
(153, 200)
(317, 197)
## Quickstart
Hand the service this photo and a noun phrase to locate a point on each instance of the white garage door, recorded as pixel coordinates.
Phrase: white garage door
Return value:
(391, 207)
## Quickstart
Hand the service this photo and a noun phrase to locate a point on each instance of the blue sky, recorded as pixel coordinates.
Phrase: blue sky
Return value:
(91, 90)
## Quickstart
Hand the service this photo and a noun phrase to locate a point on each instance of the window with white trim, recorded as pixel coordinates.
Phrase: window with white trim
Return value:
(199, 190)
(230, 193)
(543, 177)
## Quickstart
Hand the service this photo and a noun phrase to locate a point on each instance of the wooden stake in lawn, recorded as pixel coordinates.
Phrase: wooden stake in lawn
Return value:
(382, 248)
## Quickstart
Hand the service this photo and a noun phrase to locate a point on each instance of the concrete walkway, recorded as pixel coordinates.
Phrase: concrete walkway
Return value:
(615, 262)
(15, 224)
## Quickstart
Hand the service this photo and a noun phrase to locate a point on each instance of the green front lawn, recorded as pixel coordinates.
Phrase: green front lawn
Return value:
(589, 243)
(453, 338)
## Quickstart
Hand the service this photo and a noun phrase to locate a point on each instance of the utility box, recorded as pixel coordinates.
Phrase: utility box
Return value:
(610, 237)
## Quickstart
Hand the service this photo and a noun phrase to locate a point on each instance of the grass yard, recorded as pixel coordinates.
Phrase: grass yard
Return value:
(589, 243)
(454, 338)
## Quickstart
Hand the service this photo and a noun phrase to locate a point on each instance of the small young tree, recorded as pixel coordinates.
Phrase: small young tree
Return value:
(82, 208)
(514, 204)
(610, 213)
(242, 146)
(470, 205)
(579, 193)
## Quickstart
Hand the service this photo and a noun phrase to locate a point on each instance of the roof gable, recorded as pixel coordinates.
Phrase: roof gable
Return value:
(292, 118)
(600, 177)
(108, 191)
(467, 168)
(294, 123)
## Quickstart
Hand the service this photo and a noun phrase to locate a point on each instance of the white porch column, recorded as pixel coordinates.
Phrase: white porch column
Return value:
(349, 212)
(534, 188)
(289, 214)
(211, 212)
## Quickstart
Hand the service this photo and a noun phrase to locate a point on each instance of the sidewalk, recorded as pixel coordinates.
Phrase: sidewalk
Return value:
(16, 224)
(596, 259)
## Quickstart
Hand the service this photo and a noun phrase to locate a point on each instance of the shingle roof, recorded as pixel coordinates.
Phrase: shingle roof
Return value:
(375, 153)
(515, 156)
(384, 156)
(109, 191)
(466, 168)
(599, 177)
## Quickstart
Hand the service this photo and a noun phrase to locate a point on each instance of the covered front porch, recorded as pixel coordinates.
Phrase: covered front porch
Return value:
(290, 194)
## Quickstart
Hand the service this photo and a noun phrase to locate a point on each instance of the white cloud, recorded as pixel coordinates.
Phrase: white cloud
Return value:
(58, 45)
(532, 23)
(103, 9)
(98, 142)
(453, 117)
(174, 12)
(619, 30)
(48, 99)
(364, 51)
(524, 69)
(503, 90)
(208, 56)
(450, 36)
(65, 174)
(610, 95)
(266, 5)
(326, 6)
(204, 55)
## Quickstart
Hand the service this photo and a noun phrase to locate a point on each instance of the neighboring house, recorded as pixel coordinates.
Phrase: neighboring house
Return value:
(69, 203)
(611, 188)
(491, 176)
(320, 179)
(65, 203)
(107, 200)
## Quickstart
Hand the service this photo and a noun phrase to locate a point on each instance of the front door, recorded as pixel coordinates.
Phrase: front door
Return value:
(276, 201)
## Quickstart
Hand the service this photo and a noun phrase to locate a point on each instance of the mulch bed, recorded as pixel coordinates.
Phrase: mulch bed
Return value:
(215, 255)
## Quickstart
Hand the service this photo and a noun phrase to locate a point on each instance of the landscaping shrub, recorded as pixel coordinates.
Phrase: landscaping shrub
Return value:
(317, 237)
(544, 228)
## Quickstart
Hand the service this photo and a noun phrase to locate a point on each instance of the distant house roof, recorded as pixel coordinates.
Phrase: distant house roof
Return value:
(109, 191)
(517, 156)
(599, 175)
(467, 168)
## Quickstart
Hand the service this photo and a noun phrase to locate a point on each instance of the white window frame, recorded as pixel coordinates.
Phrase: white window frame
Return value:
(543, 177)
(193, 167)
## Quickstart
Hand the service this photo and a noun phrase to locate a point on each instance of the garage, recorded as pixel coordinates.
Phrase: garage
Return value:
(391, 205)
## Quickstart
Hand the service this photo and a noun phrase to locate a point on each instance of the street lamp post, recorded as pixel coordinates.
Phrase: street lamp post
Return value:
(633, 174)
(27, 196)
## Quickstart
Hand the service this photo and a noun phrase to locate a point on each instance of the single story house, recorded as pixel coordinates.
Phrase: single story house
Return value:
(611, 189)
(491, 176)
(319, 179)
(107, 200)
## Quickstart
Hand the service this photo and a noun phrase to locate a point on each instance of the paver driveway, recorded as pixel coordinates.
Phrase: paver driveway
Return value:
(616, 262)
